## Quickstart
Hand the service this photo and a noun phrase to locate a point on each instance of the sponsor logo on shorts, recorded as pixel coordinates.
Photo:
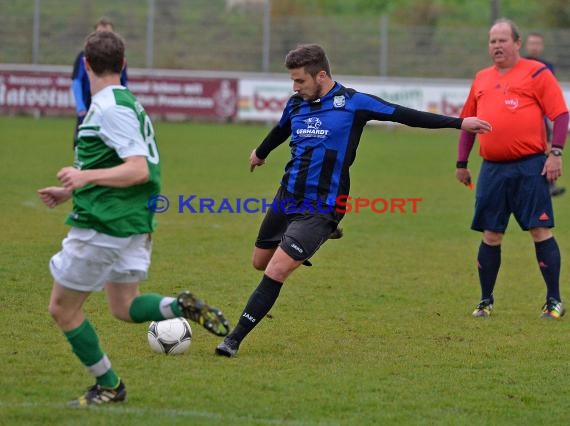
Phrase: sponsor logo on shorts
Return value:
(297, 248)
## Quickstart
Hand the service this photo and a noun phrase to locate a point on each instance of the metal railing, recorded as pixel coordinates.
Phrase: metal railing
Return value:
(206, 35)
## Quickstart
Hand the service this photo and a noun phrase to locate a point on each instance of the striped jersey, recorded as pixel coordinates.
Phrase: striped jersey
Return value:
(325, 134)
(80, 83)
(115, 127)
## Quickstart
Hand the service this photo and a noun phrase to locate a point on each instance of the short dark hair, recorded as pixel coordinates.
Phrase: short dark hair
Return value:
(534, 34)
(105, 52)
(515, 32)
(310, 56)
(104, 22)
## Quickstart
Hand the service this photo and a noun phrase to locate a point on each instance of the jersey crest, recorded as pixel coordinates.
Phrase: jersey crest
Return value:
(339, 101)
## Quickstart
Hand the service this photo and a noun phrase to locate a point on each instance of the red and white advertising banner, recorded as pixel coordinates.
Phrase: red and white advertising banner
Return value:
(183, 97)
(49, 93)
(179, 95)
(36, 92)
(264, 99)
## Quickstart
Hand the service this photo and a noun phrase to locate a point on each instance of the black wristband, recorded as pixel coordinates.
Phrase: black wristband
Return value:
(461, 165)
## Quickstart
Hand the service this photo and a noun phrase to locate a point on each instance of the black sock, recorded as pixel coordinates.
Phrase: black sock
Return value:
(548, 256)
(258, 305)
(488, 264)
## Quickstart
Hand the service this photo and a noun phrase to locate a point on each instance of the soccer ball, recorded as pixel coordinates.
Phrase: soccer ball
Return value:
(171, 336)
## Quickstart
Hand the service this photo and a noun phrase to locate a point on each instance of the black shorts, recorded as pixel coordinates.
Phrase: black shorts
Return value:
(298, 231)
(513, 187)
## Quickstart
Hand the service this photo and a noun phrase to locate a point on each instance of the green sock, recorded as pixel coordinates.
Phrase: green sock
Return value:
(85, 344)
(153, 307)
(176, 310)
(109, 380)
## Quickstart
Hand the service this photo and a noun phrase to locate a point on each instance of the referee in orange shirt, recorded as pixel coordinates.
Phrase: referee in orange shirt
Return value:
(514, 95)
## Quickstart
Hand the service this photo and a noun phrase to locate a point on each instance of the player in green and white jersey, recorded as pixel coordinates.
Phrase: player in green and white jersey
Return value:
(116, 172)
(116, 128)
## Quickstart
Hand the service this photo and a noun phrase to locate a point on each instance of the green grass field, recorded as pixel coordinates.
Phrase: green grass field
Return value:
(378, 331)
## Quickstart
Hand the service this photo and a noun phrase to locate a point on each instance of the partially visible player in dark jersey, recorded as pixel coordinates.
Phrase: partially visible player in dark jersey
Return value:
(324, 121)
(80, 81)
(534, 45)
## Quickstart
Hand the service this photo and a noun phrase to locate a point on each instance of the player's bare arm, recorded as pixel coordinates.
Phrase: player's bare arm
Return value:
(475, 125)
(133, 171)
(53, 196)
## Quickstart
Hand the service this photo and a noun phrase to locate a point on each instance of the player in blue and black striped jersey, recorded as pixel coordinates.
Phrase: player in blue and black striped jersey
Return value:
(80, 86)
(324, 121)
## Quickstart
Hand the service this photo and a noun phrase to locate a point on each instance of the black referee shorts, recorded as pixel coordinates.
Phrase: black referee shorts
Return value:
(297, 230)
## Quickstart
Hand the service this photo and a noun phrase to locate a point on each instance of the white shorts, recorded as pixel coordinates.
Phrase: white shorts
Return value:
(90, 259)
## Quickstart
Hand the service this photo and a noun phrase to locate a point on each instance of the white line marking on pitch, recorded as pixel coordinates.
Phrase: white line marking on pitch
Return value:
(116, 409)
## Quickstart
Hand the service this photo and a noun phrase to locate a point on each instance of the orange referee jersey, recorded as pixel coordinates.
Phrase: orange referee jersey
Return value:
(515, 104)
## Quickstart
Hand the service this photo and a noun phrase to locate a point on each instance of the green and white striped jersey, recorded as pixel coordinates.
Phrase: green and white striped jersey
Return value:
(115, 127)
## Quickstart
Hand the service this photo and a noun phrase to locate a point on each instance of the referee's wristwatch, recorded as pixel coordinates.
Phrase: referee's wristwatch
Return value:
(556, 152)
